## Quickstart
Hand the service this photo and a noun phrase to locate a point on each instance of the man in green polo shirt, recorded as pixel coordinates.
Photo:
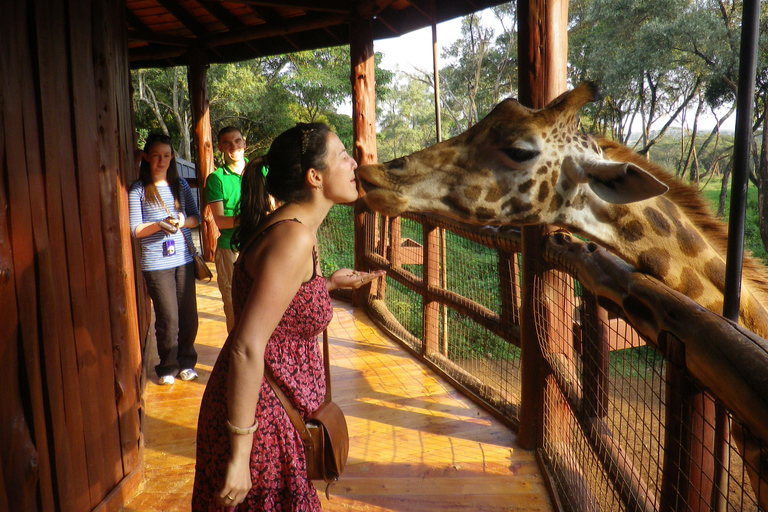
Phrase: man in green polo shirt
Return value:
(222, 191)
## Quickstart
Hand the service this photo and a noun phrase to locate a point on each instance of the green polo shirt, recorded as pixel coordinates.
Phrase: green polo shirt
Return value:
(224, 185)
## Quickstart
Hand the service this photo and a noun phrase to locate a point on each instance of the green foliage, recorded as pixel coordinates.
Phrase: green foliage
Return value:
(336, 240)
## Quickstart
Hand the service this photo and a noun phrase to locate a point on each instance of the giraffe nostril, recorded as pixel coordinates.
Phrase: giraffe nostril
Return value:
(591, 247)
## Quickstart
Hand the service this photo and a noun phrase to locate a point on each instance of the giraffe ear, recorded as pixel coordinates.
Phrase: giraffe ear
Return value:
(622, 182)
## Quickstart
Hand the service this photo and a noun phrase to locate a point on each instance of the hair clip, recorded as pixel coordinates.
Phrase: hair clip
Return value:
(305, 139)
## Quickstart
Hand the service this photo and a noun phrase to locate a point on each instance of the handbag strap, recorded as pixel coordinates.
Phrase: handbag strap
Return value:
(293, 413)
(186, 239)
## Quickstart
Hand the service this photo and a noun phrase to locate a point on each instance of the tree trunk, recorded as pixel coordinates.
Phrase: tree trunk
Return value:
(724, 191)
(762, 182)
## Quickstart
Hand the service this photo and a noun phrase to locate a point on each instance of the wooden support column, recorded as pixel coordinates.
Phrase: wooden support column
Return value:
(364, 132)
(542, 56)
(197, 74)
(431, 310)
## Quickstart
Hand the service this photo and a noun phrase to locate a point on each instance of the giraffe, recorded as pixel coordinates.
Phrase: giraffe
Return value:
(521, 166)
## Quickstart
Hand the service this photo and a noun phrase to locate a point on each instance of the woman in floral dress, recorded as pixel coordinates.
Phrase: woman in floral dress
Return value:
(249, 455)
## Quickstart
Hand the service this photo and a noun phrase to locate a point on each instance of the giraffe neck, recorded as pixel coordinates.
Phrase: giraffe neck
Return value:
(668, 241)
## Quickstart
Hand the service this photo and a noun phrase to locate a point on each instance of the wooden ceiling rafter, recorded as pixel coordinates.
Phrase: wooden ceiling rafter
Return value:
(333, 6)
(184, 17)
(222, 14)
(282, 28)
(164, 32)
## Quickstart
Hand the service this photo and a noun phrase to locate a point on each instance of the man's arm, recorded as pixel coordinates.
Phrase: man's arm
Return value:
(222, 221)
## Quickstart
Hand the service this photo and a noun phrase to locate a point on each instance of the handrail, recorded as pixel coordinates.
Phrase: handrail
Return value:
(705, 356)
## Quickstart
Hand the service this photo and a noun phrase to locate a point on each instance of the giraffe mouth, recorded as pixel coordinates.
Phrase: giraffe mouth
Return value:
(383, 200)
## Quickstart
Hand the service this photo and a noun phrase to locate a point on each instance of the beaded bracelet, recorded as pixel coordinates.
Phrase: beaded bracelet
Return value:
(242, 431)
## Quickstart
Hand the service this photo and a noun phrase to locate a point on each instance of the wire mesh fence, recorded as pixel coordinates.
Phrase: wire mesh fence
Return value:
(629, 423)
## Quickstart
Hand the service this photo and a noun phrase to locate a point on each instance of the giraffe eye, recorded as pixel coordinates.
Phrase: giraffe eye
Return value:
(520, 155)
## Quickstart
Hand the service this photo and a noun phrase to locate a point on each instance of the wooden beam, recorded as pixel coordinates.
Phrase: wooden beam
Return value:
(334, 6)
(184, 17)
(134, 21)
(158, 38)
(222, 14)
(283, 28)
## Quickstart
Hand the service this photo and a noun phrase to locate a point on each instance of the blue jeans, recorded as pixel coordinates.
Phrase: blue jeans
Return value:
(173, 295)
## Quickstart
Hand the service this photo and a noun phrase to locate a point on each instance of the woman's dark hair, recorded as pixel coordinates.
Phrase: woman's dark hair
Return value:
(172, 177)
(291, 155)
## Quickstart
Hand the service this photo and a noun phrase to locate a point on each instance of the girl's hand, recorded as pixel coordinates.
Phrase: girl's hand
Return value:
(181, 220)
(348, 278)
(237, 483)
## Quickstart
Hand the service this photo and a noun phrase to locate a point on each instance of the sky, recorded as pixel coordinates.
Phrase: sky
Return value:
(414, 49)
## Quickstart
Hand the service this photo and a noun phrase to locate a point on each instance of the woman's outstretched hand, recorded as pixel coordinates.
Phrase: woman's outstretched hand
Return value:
(348, 278)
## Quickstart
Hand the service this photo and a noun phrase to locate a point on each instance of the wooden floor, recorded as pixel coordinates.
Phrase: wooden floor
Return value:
(416, 444)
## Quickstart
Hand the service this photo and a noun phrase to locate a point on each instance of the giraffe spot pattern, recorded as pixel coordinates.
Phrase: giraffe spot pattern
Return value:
(473, 193)
(632, 231)
(691, 243)
(690, 283)
(714, 270)
(655, 261)
(525, 186)
(493, 194)
(485, 213)
(657, 222)
(556, 202)
(516, 206)
(543, 191)
(611, 214)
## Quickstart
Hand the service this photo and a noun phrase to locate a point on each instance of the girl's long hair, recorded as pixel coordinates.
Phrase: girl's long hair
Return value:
(291, 155)
(172, 177)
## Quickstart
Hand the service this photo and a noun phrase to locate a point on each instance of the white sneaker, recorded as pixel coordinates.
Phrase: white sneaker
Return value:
(166, 380)
(188, 374)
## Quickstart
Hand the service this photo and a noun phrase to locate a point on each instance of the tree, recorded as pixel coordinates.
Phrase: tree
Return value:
(161, 98)
(481, 67)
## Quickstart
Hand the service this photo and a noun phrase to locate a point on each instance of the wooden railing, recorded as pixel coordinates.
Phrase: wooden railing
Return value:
(650, 402)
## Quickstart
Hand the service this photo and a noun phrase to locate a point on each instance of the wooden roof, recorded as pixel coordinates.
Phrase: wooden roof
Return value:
(162, 33)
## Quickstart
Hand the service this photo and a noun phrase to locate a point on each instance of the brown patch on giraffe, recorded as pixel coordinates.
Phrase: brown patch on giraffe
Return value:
(473, 193)
(493, 194)
(658, 222)
(690, 242)
(516, 206)
(611, 214)
(525, 186)
(714, 269)
(690, 283)
(485, 213)
(655, 262)
(556, 202)
(542, 170)
(543, 191)
(632, 231)
(669, 209)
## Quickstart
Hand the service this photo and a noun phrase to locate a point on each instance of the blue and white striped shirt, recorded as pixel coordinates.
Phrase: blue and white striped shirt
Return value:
(141, 211)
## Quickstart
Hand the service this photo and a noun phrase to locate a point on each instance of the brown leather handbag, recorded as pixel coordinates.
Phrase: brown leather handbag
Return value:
(324, 433)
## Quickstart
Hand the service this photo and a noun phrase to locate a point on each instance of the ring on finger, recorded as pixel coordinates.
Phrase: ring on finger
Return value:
(230, 498)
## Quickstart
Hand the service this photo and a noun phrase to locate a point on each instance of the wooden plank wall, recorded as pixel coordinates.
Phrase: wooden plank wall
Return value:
(69, 337)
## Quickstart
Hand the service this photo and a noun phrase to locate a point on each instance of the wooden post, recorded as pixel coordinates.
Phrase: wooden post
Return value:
(197, 74)
(689, 442)
(594, 336)
(542, 55)
(364, 129)
(431, 276)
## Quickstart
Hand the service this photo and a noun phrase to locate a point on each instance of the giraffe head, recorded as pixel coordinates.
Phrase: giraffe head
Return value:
(517, 166)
